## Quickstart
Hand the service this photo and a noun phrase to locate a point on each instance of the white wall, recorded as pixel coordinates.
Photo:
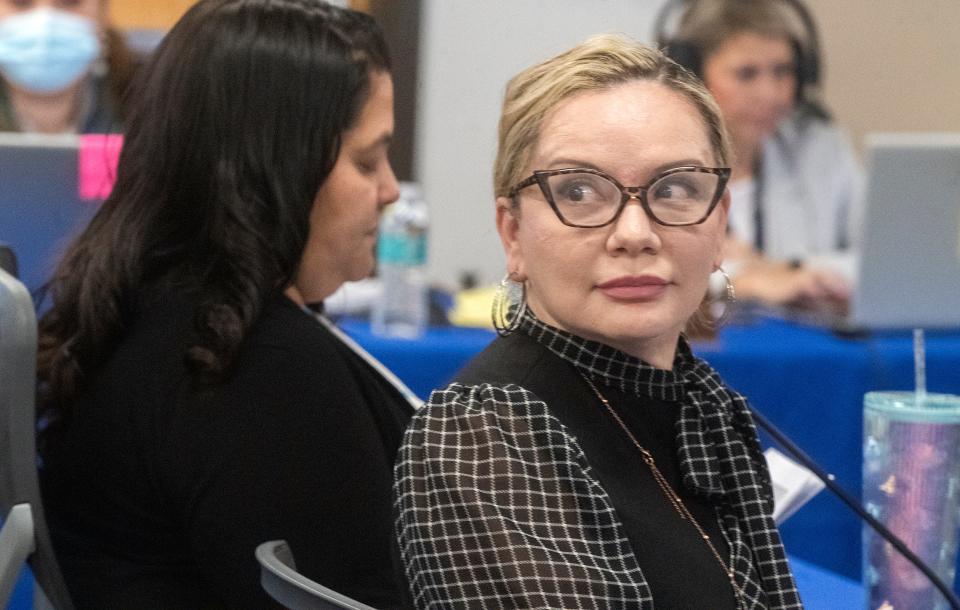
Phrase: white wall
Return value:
(468, 50)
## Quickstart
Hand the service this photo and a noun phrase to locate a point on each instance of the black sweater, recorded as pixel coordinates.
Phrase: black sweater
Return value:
(158, 493)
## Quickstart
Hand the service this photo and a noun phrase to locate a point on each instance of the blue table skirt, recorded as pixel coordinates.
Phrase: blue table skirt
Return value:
(807, 381)
(823, 590)
(426, 363)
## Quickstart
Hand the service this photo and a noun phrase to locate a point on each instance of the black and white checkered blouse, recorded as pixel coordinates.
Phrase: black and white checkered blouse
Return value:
(497, 505)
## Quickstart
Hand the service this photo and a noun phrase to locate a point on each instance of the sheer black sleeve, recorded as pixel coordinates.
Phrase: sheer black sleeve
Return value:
(497, 508)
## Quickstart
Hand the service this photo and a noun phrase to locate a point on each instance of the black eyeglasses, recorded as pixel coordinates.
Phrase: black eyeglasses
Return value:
(587, 198)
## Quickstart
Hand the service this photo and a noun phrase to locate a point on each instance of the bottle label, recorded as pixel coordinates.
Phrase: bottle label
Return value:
(406, 250)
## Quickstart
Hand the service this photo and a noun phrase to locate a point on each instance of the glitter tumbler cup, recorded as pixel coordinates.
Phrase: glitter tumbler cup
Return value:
(911, 483)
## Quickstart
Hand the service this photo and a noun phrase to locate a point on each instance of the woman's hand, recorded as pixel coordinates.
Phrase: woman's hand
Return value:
(780, 283)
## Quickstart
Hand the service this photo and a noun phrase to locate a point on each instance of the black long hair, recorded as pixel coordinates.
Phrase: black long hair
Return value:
(236, 125)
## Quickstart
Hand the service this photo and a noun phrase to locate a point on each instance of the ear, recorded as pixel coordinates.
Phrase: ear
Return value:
(508, 226)
(722, 212)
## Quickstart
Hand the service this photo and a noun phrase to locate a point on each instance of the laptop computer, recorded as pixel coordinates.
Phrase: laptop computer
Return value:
(40, 204)
(907, 272)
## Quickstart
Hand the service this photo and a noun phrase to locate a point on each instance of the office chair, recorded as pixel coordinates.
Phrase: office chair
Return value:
(280, 579)
(8, 260)
(24, 537)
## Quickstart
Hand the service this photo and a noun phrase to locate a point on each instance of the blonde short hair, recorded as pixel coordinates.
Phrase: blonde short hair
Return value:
(598, 63)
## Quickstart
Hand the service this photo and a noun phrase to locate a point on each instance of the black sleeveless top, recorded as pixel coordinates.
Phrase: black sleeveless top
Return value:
(677, 565)
(516, 487)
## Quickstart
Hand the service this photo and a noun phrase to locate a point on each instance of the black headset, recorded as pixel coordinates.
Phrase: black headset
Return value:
(806, 51)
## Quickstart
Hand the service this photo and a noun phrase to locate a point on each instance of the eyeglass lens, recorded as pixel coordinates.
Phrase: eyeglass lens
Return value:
(592, 200)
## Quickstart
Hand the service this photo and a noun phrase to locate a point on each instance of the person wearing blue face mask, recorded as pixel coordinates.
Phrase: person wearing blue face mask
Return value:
(62, 69)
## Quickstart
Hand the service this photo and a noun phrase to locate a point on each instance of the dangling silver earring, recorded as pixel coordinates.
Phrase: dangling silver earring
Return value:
(720, 308)
(509, 305)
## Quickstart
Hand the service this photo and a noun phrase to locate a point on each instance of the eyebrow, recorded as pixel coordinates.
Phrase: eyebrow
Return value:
(758, 65)
(382, 142)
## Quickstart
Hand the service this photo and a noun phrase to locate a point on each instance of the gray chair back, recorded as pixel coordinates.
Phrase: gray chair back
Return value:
(8, 260)
(24, 529)
(280, 579)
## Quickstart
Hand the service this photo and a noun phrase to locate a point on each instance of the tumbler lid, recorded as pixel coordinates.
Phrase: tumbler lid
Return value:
(903, 406)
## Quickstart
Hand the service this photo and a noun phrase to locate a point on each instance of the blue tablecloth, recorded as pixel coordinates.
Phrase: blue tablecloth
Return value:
(810, 384)
(823, 590)
(806, 380)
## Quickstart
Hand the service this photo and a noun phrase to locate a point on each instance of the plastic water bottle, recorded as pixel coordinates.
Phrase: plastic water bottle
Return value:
(402, 310)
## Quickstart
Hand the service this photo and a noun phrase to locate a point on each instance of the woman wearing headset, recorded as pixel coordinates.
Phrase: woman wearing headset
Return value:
(795, 185)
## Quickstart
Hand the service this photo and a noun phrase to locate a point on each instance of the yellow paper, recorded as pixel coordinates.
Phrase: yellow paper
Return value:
(472, 307)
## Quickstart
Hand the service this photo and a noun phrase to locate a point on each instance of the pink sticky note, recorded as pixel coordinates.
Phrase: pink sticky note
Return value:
(97, 164)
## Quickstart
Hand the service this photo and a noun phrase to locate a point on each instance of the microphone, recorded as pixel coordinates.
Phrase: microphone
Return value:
(830, 481)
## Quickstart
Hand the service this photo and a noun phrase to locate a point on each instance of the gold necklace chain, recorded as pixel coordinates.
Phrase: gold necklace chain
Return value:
(672, 496)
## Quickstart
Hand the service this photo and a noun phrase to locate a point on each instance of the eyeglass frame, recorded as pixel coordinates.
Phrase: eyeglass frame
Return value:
(540, 177)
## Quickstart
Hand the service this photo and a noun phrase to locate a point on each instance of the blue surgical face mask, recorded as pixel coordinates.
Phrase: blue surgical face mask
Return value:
(46, 50)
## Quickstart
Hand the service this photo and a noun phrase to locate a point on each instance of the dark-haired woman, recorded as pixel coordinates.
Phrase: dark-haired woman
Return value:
(193, 404)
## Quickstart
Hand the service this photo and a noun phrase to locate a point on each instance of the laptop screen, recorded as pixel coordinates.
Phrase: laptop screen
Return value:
(40, 203)
(909, 264)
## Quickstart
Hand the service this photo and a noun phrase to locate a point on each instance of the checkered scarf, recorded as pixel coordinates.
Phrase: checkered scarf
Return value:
(498, 508)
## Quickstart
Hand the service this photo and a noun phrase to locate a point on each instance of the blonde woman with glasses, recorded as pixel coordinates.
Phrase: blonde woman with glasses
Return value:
(587, 459)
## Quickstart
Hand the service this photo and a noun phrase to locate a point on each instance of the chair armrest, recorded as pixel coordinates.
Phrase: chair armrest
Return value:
(16, 544)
